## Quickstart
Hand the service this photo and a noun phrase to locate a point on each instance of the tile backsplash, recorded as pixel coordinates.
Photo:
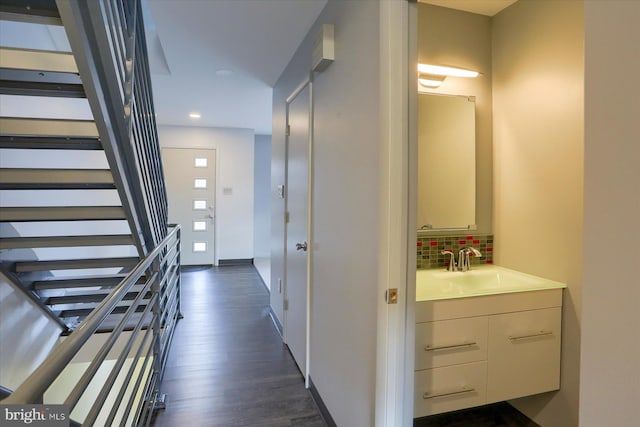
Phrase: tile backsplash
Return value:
(429, 249)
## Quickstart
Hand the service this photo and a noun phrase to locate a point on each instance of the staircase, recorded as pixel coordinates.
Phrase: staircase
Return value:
(84, 238)
(64, 234)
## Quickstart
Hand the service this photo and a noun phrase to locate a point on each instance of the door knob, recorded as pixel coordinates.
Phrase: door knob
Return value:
(301, 246)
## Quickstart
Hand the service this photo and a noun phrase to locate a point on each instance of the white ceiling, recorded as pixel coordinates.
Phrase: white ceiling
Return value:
(189, 40)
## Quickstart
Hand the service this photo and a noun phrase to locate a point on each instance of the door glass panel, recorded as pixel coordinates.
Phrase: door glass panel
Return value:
(201, 162)
(199, 225)
(199, 205)
(199, 246)
(200, 183)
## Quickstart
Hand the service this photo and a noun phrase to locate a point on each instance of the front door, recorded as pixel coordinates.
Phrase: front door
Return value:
(297, 198)
(190, 178)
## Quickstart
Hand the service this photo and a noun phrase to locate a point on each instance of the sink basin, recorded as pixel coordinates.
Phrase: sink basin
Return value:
(482, 280)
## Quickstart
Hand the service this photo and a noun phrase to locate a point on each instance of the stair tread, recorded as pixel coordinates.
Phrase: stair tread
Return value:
(90, 298)
(38, 11)
(101, 290)
(79, 312)
(40, 83)
(64, 213)
(45, 142)
(66, 241)
(37, 60)
(112, 321)
(39, 76)
(81, 281)
(12, 179)
(50, 89)
(72, 264)
(15, 10)
(20, 126)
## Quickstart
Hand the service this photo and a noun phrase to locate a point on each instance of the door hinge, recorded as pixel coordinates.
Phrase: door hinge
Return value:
(285, 305)
(286, 217)
(287, 130)
(391, 296)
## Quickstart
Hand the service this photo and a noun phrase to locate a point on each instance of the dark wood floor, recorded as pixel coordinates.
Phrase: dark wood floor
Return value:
(497, 415)
(227, 365)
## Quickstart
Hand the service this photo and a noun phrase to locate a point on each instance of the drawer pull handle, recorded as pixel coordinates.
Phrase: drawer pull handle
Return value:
(447, 347)
(535, 335)
(450, 393)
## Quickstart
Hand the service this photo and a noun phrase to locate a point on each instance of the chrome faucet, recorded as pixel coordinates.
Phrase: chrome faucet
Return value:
(452, 259)
(464, 264)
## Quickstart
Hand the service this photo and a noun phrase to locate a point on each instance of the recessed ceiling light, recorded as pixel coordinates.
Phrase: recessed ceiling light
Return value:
(223, 72)
(194, 115)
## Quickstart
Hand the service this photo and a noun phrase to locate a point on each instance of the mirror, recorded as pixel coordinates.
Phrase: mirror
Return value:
(446, 162)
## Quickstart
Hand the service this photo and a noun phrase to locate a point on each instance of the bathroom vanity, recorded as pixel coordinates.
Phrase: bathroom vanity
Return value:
(483, 336)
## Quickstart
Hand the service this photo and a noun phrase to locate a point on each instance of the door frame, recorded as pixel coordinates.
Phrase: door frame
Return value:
(307, 82)
(398, 170)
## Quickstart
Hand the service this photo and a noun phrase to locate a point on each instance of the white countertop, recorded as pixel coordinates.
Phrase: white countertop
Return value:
(437, 284)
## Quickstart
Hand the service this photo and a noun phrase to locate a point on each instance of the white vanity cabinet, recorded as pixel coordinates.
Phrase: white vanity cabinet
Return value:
(524, 353)
(484, 349)
(450, 388)
(451, 342)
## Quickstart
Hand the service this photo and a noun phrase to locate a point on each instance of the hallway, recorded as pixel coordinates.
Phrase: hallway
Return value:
(227, 365)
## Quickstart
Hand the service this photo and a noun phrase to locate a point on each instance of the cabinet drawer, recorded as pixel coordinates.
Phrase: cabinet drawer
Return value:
(524, 353)
(450, 388)
(456, 308)
(451, 342)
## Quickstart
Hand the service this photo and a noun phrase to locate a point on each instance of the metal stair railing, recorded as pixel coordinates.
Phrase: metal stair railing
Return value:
(4, 392)
(135, 364)
(108, 41)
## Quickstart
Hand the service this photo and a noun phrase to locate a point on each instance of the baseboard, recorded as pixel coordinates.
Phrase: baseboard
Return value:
(324, 412)
(240, 261)
(275, 320)
(197, 267)
(262, 280)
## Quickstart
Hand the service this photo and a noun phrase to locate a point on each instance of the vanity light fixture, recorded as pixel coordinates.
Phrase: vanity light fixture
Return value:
(440, 70)
(432, 76)
(194, 115)
(430, 80)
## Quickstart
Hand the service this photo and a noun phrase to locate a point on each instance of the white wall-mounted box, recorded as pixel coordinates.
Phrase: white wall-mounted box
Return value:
(323, 48)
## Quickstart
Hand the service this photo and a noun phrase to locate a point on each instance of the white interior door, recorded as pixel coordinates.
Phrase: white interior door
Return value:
(190, 177)
(295, 317)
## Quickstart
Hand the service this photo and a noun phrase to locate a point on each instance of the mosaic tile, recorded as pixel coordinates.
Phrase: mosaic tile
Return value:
(429, 249)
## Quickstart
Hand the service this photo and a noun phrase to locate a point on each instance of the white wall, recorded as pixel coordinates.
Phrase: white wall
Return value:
(462, 39)
(538, 76)
(234, 169)
(27, 335)
(610, 366)
(346, 208)
(262, 207)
